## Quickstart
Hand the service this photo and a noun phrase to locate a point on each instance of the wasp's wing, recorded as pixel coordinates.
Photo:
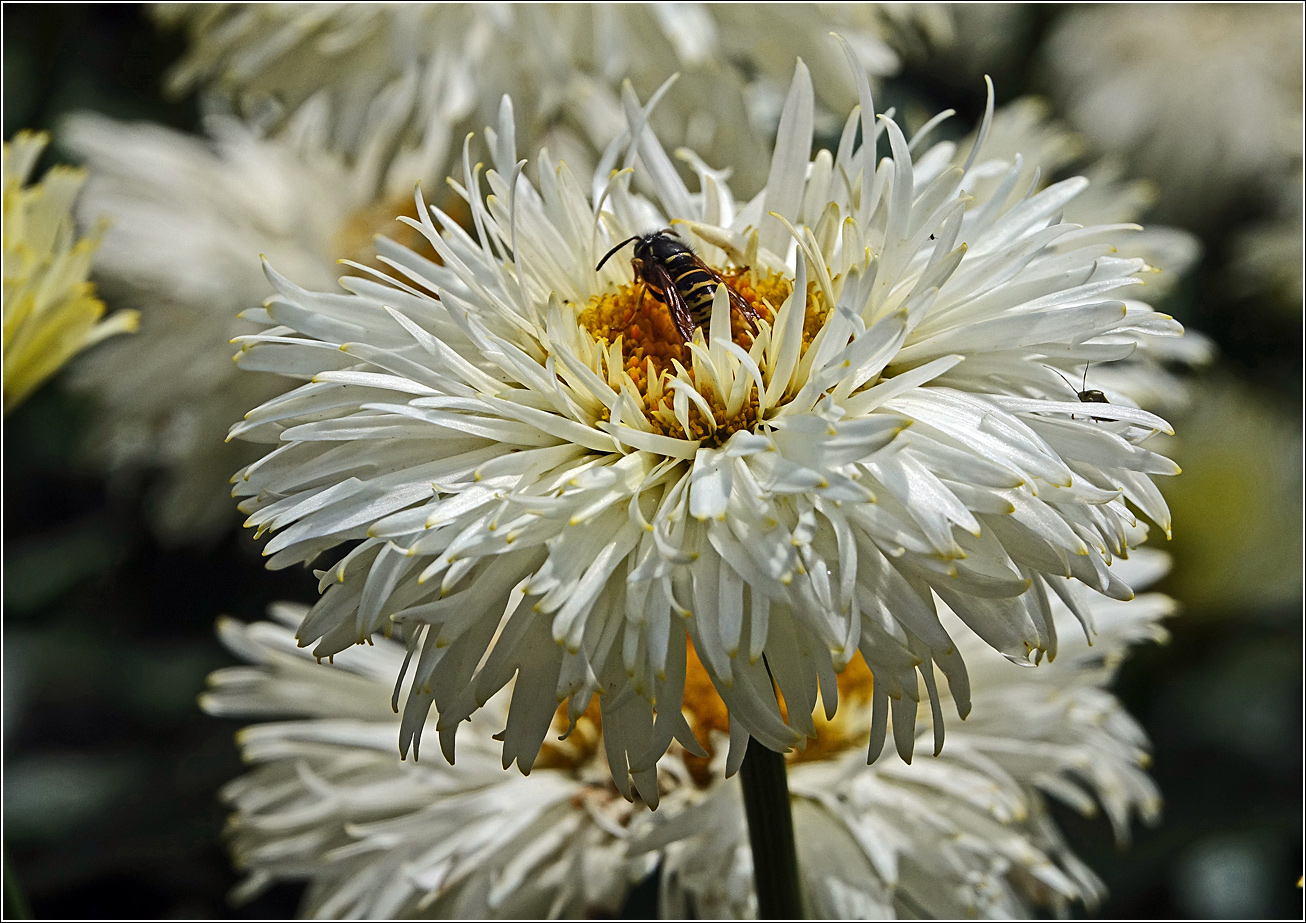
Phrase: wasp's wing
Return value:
(675, 302)
(739, 302)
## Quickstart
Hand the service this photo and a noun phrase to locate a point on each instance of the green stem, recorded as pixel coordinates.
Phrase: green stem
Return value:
(771, 833)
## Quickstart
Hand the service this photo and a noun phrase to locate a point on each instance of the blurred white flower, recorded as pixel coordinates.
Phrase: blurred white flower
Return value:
(512, 425)
(562, 63)
(327, 799)
(1204, 99)
(190, 217)
(50, 310)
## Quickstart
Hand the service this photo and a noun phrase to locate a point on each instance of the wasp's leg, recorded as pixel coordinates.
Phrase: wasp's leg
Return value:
(741, 304)
(737, 301)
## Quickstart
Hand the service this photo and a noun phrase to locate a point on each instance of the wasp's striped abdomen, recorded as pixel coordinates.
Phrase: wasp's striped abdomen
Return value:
(695, 284)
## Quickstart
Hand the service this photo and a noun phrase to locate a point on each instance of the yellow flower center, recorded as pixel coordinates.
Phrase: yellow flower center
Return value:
(652, 351)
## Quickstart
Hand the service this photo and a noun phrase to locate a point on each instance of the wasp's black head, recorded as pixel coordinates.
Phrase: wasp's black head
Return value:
(657, 246)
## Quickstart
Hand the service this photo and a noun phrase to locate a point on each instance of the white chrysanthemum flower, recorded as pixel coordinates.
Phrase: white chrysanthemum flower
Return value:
(330, 802)
(513, 426)
(50, 309)
(562, 63)
(1205, 99)
(168, 396)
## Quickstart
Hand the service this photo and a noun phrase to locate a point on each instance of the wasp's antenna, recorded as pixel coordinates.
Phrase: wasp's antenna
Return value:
(1062, 377)
(1084, 386)
(614, 250)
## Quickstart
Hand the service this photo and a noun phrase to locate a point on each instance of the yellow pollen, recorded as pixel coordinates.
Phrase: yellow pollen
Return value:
(636, 330)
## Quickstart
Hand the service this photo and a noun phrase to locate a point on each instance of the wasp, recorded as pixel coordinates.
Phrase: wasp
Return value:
(1086, 396)
(680, 280)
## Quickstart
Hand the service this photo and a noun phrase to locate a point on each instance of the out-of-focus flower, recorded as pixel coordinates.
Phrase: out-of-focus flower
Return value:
(514, 426)
(168, 396)
(1204, 99)
(50, 309)
(966, 834)
(562, 63)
